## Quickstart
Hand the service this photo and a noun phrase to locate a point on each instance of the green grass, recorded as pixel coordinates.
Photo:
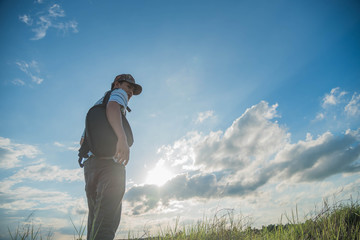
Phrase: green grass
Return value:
(29, 231)
(339, 221)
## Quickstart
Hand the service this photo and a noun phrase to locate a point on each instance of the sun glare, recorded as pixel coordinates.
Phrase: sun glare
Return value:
(158, 175)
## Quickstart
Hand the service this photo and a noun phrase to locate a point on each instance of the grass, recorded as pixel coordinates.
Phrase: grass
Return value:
(339, 221)
(29, 231)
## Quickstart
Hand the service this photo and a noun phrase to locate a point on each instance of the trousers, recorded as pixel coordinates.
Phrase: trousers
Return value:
(105, 188)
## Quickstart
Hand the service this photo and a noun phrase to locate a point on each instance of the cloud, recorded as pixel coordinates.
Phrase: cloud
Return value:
(52, 18)
(18, 82)
(202, 116)
(15, 195)
(56, 11)
(353, 107)
(315, 160)
(320, 116)
(15, 192)
(180, 155)
(12, 153)
(44, 172)
(25, 198)
(31, 69)
(253, 152)
(74, 146)
(43, 23)
(334, 97)
(58, 144)
(337, 105)
(251, 137)
(26, 19)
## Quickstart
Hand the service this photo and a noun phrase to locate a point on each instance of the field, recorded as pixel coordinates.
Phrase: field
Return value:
(338, 221)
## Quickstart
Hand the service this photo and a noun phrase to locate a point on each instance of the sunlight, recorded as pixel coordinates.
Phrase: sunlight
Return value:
(158, 175)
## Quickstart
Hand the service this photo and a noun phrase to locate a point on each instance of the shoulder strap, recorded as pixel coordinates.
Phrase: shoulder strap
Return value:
(107, 97)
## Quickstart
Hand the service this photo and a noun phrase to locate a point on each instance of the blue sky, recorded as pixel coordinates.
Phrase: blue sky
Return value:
(250, 105)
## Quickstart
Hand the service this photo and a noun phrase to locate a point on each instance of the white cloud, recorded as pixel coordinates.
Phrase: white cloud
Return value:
(317, 159)
(251, 137)
(36, 79)
(58, 144)
(25, 198)
(252, 153)
(334, 97)
(45, 172)
(56, 11)
(12, 153)
(16, 195)
(20, 204)
(52, 18)
(31, 69)
(71, 25)
(320, 116)
(18, 82)
(26, 66)
(353, 107)
(74, 146)
(42, 24)
(202, 116)
(26, 19)
(337, 106)
(181, 155)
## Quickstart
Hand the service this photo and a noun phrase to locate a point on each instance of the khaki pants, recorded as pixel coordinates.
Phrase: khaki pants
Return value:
(105, 188)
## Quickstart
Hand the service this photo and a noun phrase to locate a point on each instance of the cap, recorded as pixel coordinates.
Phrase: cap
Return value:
(127, 78)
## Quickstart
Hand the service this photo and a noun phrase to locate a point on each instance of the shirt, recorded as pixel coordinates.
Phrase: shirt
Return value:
(121, 97)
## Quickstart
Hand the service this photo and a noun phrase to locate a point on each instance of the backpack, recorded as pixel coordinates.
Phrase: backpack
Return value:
(100, 138)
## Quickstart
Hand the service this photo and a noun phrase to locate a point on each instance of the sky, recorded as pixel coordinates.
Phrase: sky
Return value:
(247, 106)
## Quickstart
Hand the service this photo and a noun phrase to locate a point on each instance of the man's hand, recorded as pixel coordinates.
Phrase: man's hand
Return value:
(122, 152)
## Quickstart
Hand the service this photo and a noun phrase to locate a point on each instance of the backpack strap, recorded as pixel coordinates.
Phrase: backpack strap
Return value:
(83, 151)
(106, 98)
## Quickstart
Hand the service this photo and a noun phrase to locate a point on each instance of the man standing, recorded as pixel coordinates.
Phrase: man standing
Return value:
(105, 178)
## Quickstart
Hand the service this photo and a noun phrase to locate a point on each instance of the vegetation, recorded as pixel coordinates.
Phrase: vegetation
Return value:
(29, 231)
(340, 221)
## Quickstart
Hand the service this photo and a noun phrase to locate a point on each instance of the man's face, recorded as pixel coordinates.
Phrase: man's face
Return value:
(127, 87)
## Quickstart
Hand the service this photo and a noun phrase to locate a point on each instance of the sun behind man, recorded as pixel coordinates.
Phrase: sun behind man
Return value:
(105, 178)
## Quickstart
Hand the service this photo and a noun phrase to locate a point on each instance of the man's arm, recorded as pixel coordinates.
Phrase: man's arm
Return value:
(114, 116)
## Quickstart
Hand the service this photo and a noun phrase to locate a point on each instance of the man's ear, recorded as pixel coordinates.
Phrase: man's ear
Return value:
(116, 85)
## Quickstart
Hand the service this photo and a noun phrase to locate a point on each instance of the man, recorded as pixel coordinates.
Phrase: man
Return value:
(105, 178)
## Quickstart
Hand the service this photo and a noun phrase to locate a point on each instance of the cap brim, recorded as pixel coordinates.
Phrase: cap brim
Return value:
(137, 89)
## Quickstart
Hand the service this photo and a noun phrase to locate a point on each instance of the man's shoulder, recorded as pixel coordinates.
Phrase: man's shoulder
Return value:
(119, 93)
(120, 96)
(118, 90)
